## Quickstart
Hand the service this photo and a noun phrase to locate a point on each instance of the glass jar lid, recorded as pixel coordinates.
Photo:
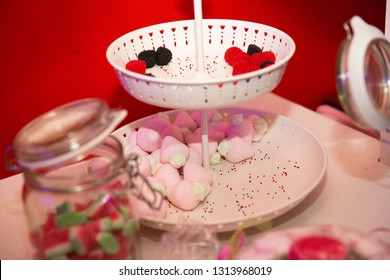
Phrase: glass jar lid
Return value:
(65, 132)
(363, 75)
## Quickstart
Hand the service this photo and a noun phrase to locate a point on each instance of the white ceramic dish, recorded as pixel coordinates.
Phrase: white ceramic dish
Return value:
(288, 165)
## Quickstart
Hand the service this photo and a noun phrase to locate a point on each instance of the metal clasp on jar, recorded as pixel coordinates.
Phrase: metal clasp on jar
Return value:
(137, 181)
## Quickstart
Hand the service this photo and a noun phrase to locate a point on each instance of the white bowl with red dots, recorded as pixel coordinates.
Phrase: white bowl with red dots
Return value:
(178, 84)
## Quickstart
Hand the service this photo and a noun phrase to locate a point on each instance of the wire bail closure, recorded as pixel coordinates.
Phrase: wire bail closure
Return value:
(132, 169)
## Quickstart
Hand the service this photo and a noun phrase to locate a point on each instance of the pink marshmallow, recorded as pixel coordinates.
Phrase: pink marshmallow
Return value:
(195, 141)
(174, 131)
(216, 134)
(156, 154)
(260, 127)
(240, 127)
(197, 115)
(236, 149)
(221, 125)
(216, 117)
(174, 152)
(168, 174)
(148, 139)
(184, 119)
(158, 122)
(154, 160)
(196, 173)
(196, 136)
(252, 117)
(135, 149)
(132, 139)
(157, 184)
(144, 166)
(143, 162)
(181, 195)
(213, 145)
(186, 132)
(195, 156)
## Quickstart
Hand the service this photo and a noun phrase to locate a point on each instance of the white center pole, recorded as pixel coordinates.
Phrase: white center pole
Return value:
(201, 74)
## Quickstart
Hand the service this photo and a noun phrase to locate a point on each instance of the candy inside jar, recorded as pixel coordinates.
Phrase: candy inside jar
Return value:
(78, 184)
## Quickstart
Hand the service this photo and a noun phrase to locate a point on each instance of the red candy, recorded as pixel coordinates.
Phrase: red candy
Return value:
(243, 63)
(64, 236)
(317, 248)
(56, 242)
(259, 58)
(83, 238)
(243, 67)
(231, 54)
(269, 56)
(137, 66)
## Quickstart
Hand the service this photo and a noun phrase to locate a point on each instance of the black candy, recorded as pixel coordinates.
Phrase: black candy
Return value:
(252, 48)
(149, 56)
(164, 56)
(266, 63)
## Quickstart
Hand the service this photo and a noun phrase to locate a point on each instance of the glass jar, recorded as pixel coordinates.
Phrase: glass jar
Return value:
(363, 80)
(77, 184)
(363, 74)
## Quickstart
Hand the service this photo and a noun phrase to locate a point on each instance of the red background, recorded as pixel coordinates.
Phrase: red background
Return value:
(53, 52)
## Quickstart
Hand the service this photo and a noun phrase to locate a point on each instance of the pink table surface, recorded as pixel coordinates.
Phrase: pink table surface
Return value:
(354, 193)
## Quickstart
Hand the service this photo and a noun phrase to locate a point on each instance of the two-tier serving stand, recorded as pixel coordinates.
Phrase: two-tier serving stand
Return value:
(198, 78)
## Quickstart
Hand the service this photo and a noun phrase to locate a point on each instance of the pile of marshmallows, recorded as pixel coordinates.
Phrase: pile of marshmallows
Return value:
(170, 154)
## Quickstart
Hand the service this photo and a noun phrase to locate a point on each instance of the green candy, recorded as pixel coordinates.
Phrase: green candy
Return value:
(69, 219)
(108, 243)
(67, 206)
(60, 257)
(130, 228)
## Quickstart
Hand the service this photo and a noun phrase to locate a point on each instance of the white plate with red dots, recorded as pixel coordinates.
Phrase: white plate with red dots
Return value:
(289, 163)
